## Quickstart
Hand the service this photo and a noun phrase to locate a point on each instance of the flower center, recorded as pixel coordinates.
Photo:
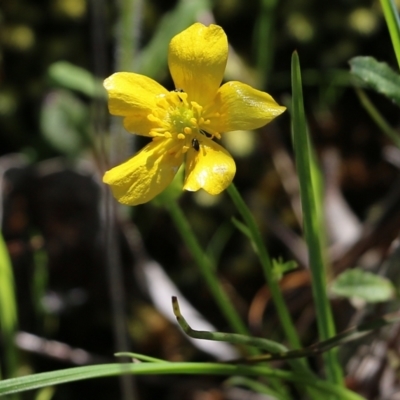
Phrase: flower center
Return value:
(177, 118)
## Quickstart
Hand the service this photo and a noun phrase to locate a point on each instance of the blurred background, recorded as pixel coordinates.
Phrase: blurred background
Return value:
(87, 272)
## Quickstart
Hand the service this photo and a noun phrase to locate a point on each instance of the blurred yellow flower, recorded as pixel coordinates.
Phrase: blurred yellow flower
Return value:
(183, 123)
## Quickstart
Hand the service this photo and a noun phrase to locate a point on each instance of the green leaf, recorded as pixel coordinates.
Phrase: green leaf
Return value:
(44, 379)
(310, 193)
(378, 76)
(363, 285)
(64, 122)
(280, 267)
(69, 76)
(391, 14)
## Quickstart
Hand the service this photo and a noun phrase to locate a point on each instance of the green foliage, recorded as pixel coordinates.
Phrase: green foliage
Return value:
(69, 76)
(8, 310)
(392, 19)
(65, 125)
(378, 76)
(97, 371)
(363, 285)
(40, 279)
(312, 219)
(280, 267)
(64, 122)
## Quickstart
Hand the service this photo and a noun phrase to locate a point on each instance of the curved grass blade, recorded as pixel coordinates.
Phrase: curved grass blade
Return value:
(234, 338)
(277, 351)
(40, 380)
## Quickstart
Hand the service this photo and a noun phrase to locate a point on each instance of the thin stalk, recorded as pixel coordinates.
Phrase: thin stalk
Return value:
(264, 35)
(282, 310)
(299, 366)
(206, 269)
(312, 224)
(377, 117)
(393, 22)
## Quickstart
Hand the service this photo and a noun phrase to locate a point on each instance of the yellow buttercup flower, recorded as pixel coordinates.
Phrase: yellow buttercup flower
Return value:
(183, 123)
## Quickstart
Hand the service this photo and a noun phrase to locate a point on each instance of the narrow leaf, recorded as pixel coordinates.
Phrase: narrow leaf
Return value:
(390, 11)
(96, 371)
(310, 202)
(8, 310)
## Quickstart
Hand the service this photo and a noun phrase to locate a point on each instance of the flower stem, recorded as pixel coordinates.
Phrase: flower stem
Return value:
(266, 264)
(206, 269)
(378, 118)
(264, 37)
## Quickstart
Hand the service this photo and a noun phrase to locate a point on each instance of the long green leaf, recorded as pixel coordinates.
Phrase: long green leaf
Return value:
(393, 22)
(312, 224)
(97, 371)
(8, 310)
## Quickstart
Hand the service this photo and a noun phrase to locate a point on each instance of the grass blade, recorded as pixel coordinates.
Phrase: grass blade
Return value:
(312, 224)
(8, 310)
(393, 23)
(97, 371)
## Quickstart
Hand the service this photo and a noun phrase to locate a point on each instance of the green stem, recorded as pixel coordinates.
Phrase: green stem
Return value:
(264, 40)
(282, 311)
(206, 268)
(378, 118)
(392, 20)
(300, 366)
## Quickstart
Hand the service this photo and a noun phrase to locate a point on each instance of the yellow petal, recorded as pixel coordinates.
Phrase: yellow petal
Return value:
(197, 59)
(211, 168)
(242, 107)
(133, 96)
(146, 174)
